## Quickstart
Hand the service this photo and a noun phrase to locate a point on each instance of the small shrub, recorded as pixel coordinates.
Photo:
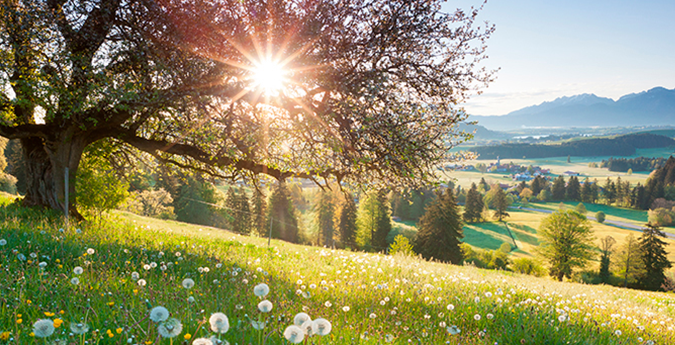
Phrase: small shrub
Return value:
(505, 247)
(401, 246)
(600, 217)
(528, 266)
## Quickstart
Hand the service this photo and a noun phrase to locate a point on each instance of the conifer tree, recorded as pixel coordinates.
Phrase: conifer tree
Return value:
(483, 186)
(243, 216)
(473, 208)
(537, 185)
(373, 221)
(609, 192)
(586, 191)
(606, 245)
(440, 230)
(281, 214)
(595, 191)
(573, 190)
(654, 257)
(325, 218)
(628, 262)
(347, 221)
(259, 211)
(558, 189)
(500, 203)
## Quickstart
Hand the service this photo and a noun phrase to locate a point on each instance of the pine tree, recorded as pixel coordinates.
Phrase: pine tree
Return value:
(325, 218)
(440, 230)
(654, 257)
(595, 191)
(558, 189)
(628, 262)
(473, 207)
(573, 190)
(281, 214)
(243, 216)
(373, 222)
(609, 192)
(500, 203)
(537, 185)
(347, 222)
(483, 186)
(586, 192)
(259, 211)
(605, 260)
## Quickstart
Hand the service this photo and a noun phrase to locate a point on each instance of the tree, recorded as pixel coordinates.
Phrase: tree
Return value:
(628, 263)
(473, 208)
(586, 192)
(581, 209)
(325, 218)
(526, 194)
(500, 203)
(374, 221)
(558, 189)
(654, 257)
(566, 242)
(606, 245)
(281, 214)
(544, 195)
(573, 190)
(483, 186)
(481, 167)
(100, 189)
(259, 221)
(195, 203)
(401, 246)
(538, 184)
(440, 230)
(600, 217)
(347, 221)
(609, 192)
(242, 216)
(176, 81)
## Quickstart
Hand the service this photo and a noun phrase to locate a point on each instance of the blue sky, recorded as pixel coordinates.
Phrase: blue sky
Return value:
(552, 48)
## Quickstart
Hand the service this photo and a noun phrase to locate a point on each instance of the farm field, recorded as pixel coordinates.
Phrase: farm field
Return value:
(103, 281)
(558, 166)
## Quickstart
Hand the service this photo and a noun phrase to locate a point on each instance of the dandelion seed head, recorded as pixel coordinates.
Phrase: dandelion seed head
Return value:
(79, 328)
(294, 334)
(159, 314)
(265, 306)
(188, 283)
(78, 270)
(261, 290)
(202, 341)
(219, 323)
(43, 328)
(170, 328)
(321, 326)
(300, 318)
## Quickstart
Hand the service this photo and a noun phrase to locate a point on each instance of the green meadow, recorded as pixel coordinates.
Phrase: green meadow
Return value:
(131, 264)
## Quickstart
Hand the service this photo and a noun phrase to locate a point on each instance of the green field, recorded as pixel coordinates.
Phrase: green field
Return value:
(132, 264)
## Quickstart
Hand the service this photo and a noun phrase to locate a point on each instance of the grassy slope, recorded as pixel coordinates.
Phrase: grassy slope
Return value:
(407, 298)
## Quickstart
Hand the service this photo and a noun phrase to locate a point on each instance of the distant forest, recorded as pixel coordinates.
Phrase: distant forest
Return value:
(624, 145)
(633, 164)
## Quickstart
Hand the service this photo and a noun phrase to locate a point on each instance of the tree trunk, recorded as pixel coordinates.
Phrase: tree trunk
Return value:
(46, 163)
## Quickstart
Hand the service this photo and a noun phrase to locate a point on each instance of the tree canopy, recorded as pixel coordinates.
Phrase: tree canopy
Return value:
(566, 242)
(370, 88)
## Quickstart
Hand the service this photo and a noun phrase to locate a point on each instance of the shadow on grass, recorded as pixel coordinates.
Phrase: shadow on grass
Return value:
(486, 235)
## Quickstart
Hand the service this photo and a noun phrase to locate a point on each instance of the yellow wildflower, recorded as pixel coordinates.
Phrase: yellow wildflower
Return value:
(4, 335)
(187, 336)
(119, 330)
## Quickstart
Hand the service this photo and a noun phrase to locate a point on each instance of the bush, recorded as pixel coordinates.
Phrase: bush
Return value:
(401, 246)
(505, 248)
(528, 266)
(7, 183)
(661, 216)
(600, 217)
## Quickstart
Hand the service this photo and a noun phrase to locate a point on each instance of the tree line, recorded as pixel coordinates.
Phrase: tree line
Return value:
(633, 164)
(624, 145)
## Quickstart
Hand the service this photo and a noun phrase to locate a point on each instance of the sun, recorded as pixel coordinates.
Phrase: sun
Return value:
(269, 76)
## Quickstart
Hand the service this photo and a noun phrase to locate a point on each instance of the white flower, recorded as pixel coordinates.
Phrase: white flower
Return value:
(561, 318)
(159, 314)
(202, 341)
(321, 326)
(476, 299)
(450, 307)
(42, 264)
(617, 332)
(188, 283)
(294, 334)
(146, 267)
(476, 317)
(345, 308)
(191, 299)
(78, 270)
(328, 304)
(43, 328)
(300, 318)
(490, 316)
(3, 242)
(170, 328)
(261, 290)
(75, 281)
(265, 306)
(453, 330)
(79, 328)
(91, 251)
(258, 325)
(135, 275)
(308, 327)
(372, 315)
(219, 323)
(141, 282)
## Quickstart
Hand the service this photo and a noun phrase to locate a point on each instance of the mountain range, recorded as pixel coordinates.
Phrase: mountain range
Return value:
(655, 107)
